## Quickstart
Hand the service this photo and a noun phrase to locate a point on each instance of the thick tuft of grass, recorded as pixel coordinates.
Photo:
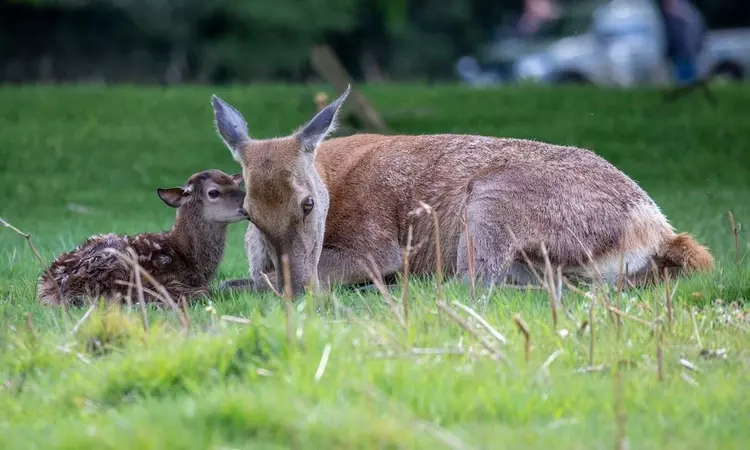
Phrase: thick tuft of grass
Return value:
(78, 161)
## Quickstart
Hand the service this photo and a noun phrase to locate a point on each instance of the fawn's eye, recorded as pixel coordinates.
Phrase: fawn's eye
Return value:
(213, 193)
(307, 205)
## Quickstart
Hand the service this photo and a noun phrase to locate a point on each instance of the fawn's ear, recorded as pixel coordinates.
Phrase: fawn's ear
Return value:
(237, 178)
(231, 126)
(172, 196)
(324, 123)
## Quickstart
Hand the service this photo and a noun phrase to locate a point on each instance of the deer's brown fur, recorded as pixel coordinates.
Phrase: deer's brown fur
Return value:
(184, 260)
(516, 194)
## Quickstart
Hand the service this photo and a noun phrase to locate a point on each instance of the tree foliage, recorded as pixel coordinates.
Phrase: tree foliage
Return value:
(172, 41)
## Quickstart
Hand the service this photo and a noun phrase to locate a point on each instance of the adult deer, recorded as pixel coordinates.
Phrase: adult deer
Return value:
(329, 204)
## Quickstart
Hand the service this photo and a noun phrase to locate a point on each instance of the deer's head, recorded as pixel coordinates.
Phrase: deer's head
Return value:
(211, 196)
(286, 199)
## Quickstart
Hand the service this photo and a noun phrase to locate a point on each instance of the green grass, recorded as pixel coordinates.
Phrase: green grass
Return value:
(228, 385)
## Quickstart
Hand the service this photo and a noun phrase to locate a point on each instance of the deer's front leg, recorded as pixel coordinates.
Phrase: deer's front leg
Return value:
(260, 262)
(350, 266)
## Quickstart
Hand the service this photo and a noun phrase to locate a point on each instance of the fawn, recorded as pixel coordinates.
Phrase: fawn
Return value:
(330, 205)
(184, 260)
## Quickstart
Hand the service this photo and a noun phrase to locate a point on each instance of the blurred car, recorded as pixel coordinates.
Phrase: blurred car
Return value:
(623, 45)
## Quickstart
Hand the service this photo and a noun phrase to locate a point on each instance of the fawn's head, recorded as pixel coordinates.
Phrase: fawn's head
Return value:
(286, 198)
(211, 195)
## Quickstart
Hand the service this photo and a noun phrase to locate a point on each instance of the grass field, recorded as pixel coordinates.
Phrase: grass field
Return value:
(77, 161)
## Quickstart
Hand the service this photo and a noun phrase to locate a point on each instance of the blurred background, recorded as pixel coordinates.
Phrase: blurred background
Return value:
(476, 42)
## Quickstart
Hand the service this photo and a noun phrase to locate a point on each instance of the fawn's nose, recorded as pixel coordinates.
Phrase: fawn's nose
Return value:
(244, 213)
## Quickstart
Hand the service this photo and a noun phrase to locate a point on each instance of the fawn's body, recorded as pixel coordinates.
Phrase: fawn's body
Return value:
(515, 194)
(184, 260)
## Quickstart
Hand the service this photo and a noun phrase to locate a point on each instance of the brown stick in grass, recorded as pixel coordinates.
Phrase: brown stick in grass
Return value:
(38, 256)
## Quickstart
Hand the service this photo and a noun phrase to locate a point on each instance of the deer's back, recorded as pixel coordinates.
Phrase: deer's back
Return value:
(399, 171)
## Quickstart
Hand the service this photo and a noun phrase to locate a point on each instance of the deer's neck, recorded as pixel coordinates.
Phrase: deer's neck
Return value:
(201, 242)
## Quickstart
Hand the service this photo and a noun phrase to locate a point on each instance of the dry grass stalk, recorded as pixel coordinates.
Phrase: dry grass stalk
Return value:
(141, 301)
(377, 280)
(38, 256)
(129, 296)
(462, 323)
(654, 272)
(164, 296)
(144, 289)
(424, 207)
(588, 255)
(235, 319)
(405, 289)
(618, 292)
(270, 285)
(323, 363)
(556, 292)
(625, 315)
(496, 334)
(550, 283)
(470, 261)
(436, 351)
(286, 272)
(523, 327)
(544, 368)
(526, 258)
(420, 352)
(695, 328)
(620, 415)
(736, 233)
(591, 328)
(83, 319)
(183, 302)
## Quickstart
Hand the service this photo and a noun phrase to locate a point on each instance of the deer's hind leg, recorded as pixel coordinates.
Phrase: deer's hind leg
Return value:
(493, 227)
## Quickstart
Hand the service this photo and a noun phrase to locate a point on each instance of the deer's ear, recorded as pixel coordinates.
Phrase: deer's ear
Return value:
(173, 197)
(230, 125)
(323, 124)
(237, 178)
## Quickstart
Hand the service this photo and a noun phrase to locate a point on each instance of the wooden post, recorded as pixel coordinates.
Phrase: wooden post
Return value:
(328, 66)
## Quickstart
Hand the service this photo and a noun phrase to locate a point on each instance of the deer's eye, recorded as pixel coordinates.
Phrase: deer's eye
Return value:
(307, 205)
(213, 193)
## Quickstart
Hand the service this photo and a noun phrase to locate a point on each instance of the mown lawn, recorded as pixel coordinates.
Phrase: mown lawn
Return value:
(77, 161)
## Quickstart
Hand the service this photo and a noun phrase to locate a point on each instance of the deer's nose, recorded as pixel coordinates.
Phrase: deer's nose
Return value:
(244, 213)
